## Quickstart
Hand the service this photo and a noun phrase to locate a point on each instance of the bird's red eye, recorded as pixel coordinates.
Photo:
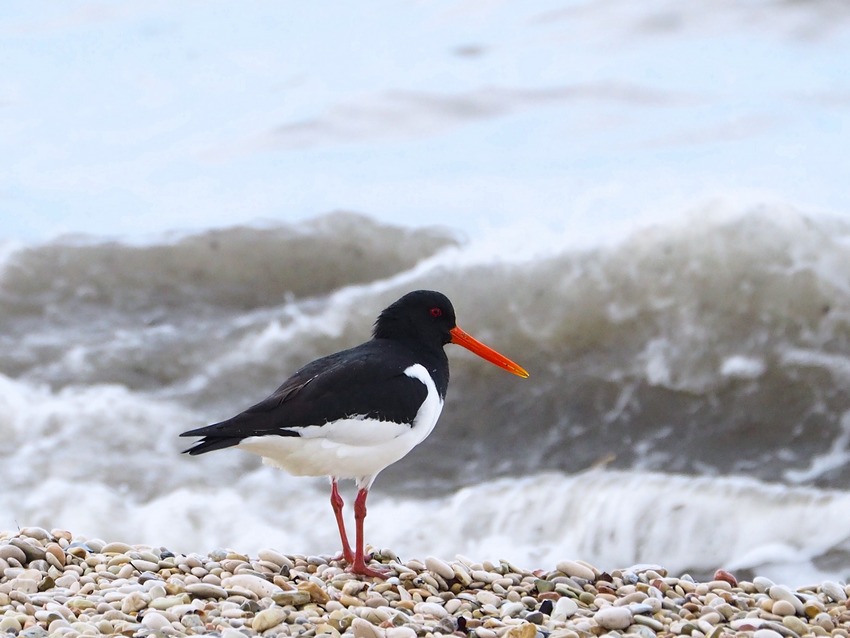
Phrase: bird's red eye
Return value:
(436, 311)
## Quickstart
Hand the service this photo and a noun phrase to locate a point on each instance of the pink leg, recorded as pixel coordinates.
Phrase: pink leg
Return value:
(359, 564)
(336, 503)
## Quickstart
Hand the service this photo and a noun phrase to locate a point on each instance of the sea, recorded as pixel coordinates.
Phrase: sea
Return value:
(646, 205)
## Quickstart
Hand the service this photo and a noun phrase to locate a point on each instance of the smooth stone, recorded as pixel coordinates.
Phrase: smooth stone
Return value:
(192, 621)
(543, 586)
(156, 590)
(55, 555)
(24, 585)
(430, 609)
(10, 624)
(32, 551)
(575, 570)
(766, 633)
(509, 609)
(640, 608)
(564, 608)
(762, 584)
(781, 592)
(317, 594)
(525, 630)
(711, 618)
(145, 565)
(536, 617)
(745, 624)
(268, 618)
(277, 558)
(168, 602)
(649, 621)
(206, 590)
(295, 598)
(364, 629)
(254, 584)
(795, 624)
(483, 576)
(486, 597)
(440, 567)
(613, 617)
(155, 621)
(401, 632)
(834, 591)
(96, 544)
(133, 602)
(783, 608)
(824, 620)
(38, 533)
(116, 548)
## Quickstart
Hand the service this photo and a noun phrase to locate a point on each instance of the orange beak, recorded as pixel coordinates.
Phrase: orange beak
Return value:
(473, 345)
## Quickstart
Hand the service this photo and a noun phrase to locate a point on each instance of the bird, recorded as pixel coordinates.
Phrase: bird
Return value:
(351, 414)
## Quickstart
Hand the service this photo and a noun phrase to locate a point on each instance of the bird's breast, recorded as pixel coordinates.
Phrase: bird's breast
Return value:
(432, 406)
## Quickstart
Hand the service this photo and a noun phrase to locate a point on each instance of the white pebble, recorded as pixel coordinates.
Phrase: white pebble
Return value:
(613, 617)
(430, 609)
(781, 592)
(364, 629)
(484, 576)
(783, 608)
(10, 624)
(440, 567)
(155, 621)
(575, 570)
(259, 586)
(509, 609)
(486, 597)
(564, 608)
(762, 583)
(766, 633)
(275, 557)
(268, 618)
(834, 591)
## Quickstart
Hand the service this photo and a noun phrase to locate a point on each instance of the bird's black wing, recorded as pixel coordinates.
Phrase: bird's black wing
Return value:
(367, 381)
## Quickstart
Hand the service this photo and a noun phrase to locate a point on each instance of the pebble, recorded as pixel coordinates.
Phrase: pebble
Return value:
(268, 618)
(564, 608)
(613, 617)
(206, 590)
(55, 584)
(781, 592)
(254, 584)
(783, 608)
(155, 621)
(575, 570)
(440, 567)
(835, 591)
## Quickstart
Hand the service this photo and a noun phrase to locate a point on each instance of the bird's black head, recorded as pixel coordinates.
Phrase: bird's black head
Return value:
(423, 316)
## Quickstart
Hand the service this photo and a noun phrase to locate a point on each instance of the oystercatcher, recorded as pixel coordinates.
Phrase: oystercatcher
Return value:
(351, 414)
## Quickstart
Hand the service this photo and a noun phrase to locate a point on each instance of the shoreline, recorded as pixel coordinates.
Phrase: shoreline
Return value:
(55, 584)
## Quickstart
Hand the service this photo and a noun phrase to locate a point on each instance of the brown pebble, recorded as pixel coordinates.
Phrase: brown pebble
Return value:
(722, 574)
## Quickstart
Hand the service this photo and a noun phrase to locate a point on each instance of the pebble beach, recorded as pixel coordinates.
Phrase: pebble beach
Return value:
(55, 584)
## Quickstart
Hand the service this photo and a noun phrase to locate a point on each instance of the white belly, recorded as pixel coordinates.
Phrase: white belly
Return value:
(355, 448)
